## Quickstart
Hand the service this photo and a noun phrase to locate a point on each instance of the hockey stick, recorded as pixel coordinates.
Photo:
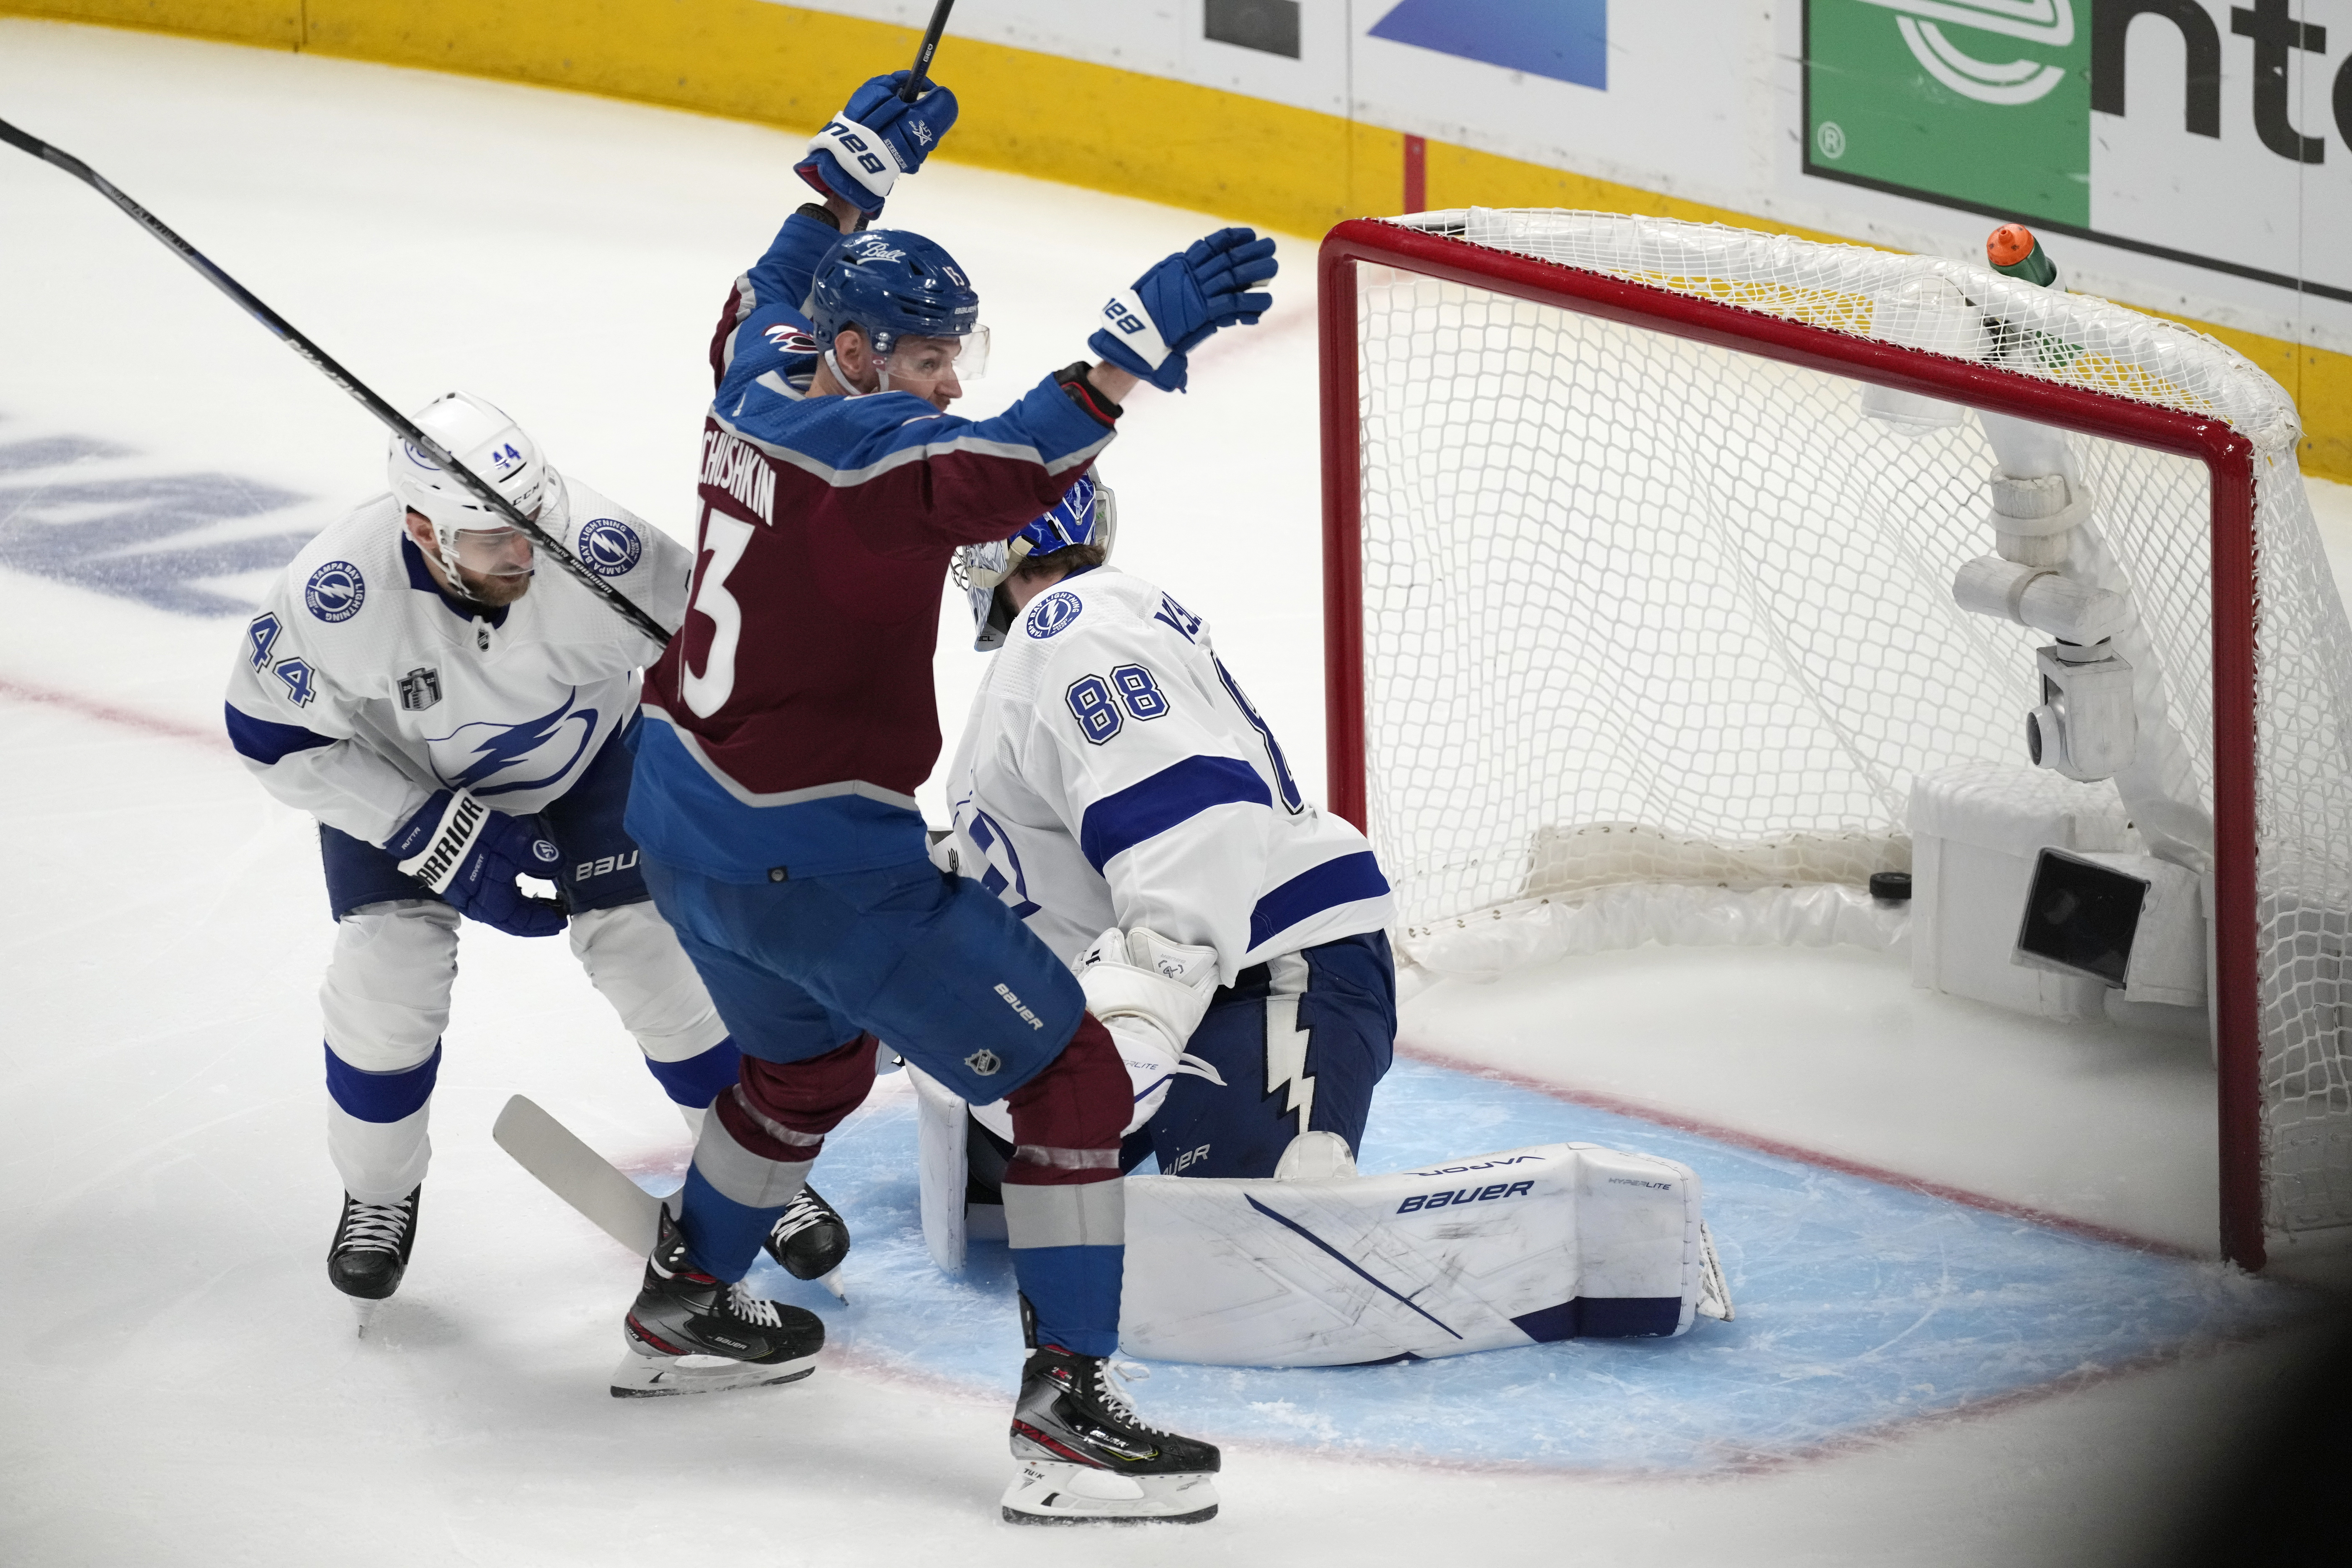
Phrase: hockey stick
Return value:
(614, 600)
(587, 1180)
(915, 82)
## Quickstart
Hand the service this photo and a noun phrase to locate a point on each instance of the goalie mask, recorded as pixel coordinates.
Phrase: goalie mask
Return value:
(467, 534)
(1087, 513)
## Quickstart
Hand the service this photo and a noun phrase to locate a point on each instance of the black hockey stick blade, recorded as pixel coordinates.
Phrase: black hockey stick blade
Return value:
(918, 79)
(391, 418)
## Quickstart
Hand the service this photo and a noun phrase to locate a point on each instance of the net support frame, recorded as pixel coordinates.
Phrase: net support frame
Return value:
(2228, 457)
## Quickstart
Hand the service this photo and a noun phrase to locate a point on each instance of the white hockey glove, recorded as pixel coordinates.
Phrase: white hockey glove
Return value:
(1151, 993)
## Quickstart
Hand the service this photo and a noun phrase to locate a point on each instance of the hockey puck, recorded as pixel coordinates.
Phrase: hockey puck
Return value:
(1894, 887)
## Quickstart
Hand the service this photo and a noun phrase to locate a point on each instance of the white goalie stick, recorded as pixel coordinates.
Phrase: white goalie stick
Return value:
(613, 599)
(587, 1180)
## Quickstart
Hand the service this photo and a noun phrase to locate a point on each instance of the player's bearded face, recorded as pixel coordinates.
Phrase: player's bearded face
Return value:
(495, 564)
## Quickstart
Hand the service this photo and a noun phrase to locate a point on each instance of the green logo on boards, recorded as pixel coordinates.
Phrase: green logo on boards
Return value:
(1979, 103)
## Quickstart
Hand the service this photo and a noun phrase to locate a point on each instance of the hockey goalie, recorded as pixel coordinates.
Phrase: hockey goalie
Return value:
(1115, 788)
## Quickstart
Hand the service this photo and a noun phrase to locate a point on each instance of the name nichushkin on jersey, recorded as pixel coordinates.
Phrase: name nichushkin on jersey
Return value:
(740, 469)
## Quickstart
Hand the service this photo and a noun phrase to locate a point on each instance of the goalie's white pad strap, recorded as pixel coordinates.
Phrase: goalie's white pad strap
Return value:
(1133, 326)
(868, 159)
(1483, 1253)
(461, 823)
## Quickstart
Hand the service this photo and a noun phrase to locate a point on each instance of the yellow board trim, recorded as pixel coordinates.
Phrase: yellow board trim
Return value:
(1295, 170)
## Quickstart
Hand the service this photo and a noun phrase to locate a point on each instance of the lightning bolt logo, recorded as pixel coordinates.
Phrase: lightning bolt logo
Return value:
(1286, 1039)
(509, 744)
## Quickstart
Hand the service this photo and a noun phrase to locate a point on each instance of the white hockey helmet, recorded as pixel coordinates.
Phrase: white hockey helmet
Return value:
(479, 434)
(1087, 513)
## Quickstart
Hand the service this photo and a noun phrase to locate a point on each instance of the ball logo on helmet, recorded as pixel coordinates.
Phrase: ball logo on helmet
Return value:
(418, 457)
(609, 547)
(335, 592)
(1051, 614)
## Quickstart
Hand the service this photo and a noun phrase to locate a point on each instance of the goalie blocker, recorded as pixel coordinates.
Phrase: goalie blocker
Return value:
(1524, 1246)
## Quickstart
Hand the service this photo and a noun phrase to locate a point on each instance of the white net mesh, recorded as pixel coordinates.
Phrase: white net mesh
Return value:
(1643, 610)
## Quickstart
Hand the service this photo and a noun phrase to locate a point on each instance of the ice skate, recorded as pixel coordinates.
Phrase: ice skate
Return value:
(1087, 1459)
(689, 1334)
(370, 1252)
(810, 1240)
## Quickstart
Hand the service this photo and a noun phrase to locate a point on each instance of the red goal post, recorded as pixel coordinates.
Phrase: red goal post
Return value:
(1696, 307)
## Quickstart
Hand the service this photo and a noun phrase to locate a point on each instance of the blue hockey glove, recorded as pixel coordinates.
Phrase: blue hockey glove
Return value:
(470, 855)
(862, 151)
(1176, 305)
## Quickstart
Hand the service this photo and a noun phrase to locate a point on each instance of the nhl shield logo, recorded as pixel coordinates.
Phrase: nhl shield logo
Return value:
(984, 1062)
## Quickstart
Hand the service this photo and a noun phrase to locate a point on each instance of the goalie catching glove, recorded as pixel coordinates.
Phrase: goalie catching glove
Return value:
(470, 855)
(862, 151)
(1172, 308)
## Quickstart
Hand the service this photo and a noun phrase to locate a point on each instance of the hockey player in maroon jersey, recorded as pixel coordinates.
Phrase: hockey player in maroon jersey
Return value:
(789, 724)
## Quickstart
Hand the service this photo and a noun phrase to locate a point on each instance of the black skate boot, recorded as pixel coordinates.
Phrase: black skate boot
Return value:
(370, 1252)
(689, 1334)
(810, 1240)
(1087, 1459)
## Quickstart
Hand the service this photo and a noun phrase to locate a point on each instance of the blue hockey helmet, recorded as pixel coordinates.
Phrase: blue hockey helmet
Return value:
(890, 284)
(1087, 513)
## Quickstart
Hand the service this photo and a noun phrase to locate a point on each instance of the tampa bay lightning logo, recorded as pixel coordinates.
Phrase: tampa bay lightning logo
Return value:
(489, 747)
(1054, 612)
(335, 592)
(609, 547)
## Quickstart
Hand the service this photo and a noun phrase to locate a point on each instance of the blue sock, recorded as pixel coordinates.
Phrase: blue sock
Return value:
(698, 1079)
(1074, 1290)
(723, 1237)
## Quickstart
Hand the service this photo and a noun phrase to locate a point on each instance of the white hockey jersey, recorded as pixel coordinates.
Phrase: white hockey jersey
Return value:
(360, 689)
(1112, 774)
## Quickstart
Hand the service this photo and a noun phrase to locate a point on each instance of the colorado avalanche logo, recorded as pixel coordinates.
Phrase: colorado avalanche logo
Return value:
(789, 340)
(335, 592)
(1054, 612)
(609, 547)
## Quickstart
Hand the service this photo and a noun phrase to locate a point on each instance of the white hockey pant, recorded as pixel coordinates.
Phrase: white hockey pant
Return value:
(386, 1005)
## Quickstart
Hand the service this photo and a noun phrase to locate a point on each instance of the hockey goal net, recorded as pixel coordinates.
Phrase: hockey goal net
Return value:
(1641, 539)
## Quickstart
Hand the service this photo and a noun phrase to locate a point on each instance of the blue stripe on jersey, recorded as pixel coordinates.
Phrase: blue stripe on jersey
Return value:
(1174, 795)
(382, 1097)
(1345, 880)
(265, 742)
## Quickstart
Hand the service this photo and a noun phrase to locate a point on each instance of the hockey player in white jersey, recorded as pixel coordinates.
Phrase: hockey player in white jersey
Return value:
(1117, 789)
(456, 720)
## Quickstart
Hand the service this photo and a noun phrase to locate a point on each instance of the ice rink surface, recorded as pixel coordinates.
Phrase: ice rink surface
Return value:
(1918, 1374)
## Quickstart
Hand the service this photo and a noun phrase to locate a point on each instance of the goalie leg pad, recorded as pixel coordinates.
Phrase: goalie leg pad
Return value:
(1496, 1251)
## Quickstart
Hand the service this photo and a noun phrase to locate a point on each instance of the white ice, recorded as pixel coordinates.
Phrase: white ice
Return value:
(187, 1388)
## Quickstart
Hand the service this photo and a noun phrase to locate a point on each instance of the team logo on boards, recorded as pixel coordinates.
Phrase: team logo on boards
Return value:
(420, 690)
(1054, 612)
(984, 1062)
(1567, 40)
(609, 547)
(335, 592)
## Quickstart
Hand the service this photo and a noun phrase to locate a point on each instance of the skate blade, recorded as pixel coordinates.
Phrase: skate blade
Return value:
(654, 1376)
(364, 1310)
(1051, 1491)
(832, 1283)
